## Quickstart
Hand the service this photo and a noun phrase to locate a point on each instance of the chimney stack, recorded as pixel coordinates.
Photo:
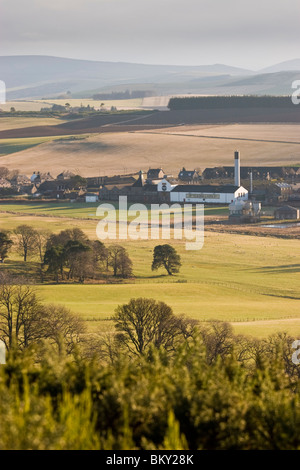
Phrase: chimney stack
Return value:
(237, 173)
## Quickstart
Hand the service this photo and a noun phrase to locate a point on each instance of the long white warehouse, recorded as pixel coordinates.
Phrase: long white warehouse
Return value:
(210, 194)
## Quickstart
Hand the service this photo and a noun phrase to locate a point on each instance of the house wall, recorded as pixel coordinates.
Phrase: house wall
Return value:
(91, 199)
(209, 198)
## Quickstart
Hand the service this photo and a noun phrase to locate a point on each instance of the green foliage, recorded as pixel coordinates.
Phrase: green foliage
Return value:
(5, 245)
(151, 402)
(167, 257)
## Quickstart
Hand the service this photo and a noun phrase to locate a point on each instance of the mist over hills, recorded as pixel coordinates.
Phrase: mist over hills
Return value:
(48, 77)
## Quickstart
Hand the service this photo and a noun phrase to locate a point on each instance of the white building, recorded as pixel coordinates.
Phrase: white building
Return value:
(91, 197)
(165, 186)
(209, 194)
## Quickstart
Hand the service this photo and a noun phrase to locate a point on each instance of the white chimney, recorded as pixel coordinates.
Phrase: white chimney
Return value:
(237, 173)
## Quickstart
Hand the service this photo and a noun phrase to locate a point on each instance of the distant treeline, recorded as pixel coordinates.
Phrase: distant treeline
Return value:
(216, 102)
(123, 95)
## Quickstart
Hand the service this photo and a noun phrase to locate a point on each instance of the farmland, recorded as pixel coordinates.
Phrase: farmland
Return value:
(125, 152)
(251, 281)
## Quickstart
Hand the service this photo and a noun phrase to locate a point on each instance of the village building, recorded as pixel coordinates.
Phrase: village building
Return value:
(155, 174)
(244, 211)
(287, 213)
(91, 197)
(65, 175)
(210, 194)
(189, 176)
(4, 183)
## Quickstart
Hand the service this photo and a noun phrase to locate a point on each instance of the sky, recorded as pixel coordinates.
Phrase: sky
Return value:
(245, 33)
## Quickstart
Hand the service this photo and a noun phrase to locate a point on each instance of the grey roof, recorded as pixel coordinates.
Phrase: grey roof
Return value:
(286, 208)
(283, 185)
(153, 173)
(183, 188)
(150, 187)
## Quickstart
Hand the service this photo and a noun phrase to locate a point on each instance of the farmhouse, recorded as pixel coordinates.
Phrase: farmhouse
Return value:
(154, 174)
(191, 176)
(210, 194)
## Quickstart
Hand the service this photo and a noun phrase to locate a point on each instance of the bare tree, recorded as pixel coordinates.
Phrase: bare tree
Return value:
(41, 239)
(60, 327)
(19, 310)
(145, 322)
(120, 261)
(27, 240)
(218, 339)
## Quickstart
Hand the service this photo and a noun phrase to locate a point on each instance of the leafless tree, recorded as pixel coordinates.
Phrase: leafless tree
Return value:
(145, 322)
(120, 261)
(27, 240)
(60, 327)
(218, 339)
(19, 311)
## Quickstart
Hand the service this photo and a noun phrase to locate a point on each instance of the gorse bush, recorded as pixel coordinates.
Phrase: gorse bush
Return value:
(153, 401)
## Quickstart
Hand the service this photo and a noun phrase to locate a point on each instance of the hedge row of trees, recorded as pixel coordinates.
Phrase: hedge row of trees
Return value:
(158, 382)
(217, 102)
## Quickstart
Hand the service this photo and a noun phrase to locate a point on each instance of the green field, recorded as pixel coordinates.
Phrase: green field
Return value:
(250, 281)
(76, 210)
(8, 146)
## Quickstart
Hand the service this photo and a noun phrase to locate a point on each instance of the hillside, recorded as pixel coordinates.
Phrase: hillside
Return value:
(38, 76)
(32, 77)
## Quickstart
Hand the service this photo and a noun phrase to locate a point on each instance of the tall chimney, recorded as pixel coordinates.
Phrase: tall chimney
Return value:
(237, 174)
(251, 182)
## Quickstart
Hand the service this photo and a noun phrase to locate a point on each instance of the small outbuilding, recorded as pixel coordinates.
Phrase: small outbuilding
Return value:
(287, 213)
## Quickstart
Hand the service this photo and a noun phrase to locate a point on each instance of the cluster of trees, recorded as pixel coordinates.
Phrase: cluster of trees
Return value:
(217, 102)
(123, 95)
(159, 382)
(68, 254)
(71, 255)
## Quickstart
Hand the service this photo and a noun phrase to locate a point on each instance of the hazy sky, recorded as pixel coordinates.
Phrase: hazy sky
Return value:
(246, 33)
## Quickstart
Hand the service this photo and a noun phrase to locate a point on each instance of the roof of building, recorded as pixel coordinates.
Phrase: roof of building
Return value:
(150, 187)
(139, 183)
(153, 173)
(183, 188)
(283, 185)
(286, 208)
(187, 172)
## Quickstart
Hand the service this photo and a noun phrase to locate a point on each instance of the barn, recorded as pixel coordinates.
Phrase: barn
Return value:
(287, 213)
(209, 194)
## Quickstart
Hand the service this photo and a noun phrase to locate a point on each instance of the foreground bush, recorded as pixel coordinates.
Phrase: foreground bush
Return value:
(151, 402)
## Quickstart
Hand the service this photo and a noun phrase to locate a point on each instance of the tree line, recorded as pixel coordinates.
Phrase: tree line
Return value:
(217, 102)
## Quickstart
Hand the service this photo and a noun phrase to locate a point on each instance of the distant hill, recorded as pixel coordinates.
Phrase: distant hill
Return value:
(288, 65)
(33, 77)
(38, 76)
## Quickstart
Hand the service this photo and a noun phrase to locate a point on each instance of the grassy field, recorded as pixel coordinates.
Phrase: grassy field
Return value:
(127, 152)
(9, 146)
(36, 105)
(18, 122)
(250, 281)
(77, 210)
